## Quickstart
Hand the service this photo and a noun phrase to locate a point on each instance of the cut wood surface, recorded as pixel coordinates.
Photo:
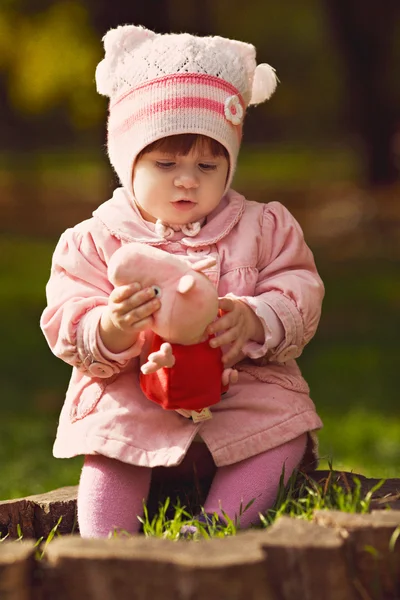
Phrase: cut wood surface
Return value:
(337, 556)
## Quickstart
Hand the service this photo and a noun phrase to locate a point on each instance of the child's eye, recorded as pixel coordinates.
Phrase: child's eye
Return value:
(164, 164)
(207, 167)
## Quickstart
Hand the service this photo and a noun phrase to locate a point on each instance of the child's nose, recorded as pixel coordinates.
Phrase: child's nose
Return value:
(186, 179)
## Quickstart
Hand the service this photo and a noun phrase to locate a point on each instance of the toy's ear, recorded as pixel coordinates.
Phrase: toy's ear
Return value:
(185, 284)
(204, 264)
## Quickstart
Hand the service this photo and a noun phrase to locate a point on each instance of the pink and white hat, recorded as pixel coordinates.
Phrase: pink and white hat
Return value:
(168, 84)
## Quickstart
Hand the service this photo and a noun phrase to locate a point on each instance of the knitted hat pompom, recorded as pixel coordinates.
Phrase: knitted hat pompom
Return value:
(264, 83)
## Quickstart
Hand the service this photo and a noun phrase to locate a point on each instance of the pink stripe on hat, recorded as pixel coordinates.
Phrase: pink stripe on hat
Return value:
(185, 79)
(172, 104)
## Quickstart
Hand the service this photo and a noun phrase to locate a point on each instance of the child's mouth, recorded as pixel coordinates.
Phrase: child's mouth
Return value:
(184, 204)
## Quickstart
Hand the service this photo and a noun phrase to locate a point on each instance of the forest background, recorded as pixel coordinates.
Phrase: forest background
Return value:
(327, 145)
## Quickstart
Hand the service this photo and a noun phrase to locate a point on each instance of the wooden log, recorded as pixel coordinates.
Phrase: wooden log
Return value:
(16, 570)
(139, 569)
(373, 553)
(37, 515)
(304, 562)
(386, 496)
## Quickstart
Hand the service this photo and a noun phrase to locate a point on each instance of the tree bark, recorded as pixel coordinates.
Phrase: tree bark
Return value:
(364, 34)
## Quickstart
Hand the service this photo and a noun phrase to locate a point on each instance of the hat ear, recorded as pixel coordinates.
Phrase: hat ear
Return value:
(243, 54)
(262, 79)
(125, 37)
(117, 41)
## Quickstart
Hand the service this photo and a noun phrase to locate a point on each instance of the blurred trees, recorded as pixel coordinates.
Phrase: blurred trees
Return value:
(365, 33)
(334, 88)
(105, 15)
(46, 54)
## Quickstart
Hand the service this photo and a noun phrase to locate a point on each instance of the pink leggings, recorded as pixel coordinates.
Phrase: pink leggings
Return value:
(111, 493)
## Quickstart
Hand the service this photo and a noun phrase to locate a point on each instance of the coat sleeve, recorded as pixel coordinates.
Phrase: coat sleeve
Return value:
(77, 293)
(288, 285)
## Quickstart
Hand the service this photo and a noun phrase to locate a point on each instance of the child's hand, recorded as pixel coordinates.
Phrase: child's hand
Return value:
(129, 312)
(131, 308)
(237, 326)
(229, 376)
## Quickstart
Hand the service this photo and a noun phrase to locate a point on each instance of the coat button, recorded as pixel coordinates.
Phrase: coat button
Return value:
(98, 369)
(202, 251)
(288, 353)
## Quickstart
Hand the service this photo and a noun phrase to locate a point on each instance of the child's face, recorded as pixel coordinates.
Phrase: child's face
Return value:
(179, 189)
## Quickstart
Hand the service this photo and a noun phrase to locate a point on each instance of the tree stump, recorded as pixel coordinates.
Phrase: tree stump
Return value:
(37, 515)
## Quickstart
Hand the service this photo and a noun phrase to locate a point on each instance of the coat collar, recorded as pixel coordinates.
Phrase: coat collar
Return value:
(124, 221)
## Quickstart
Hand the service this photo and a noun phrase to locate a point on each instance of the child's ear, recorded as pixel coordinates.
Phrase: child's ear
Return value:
(185, 284)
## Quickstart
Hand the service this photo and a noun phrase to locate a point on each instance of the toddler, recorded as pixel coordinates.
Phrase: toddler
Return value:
(177, 104)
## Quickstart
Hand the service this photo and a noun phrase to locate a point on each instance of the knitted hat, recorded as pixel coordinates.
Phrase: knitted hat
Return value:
(168, 84)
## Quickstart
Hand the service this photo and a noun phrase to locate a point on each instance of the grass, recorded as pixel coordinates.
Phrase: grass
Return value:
(41, 544)
(299, 499)
(363, 441)
(170, 527)
(27, 464)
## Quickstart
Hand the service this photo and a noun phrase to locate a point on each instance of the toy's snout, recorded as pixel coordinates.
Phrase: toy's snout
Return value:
(185, 284)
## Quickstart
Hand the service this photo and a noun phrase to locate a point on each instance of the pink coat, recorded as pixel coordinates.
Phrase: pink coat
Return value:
(261, 258)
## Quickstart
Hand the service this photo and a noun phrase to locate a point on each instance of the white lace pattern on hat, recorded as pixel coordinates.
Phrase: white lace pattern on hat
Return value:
(233, 110)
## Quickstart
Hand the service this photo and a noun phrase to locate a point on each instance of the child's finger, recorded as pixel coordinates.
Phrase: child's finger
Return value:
(227, 321)
(228, 337)
(230, 376)
(137, 300)
(221, 324)
(123, 292)
(226, 304)
(145, 310)
(233, 351)
(142, 325)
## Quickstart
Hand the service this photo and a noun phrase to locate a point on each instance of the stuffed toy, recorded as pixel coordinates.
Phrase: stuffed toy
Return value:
(180, 371)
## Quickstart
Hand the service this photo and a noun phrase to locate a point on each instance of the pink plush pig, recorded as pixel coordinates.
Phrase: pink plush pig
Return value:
(182, 371)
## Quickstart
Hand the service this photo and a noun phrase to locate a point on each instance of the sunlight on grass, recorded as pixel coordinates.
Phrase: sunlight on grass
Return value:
(27, 464)
(170, 526)
(299, 499)
(303, 496)
(362, 441)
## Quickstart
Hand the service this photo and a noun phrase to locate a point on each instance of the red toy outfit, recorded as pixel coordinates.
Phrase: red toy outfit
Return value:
(193, 383)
